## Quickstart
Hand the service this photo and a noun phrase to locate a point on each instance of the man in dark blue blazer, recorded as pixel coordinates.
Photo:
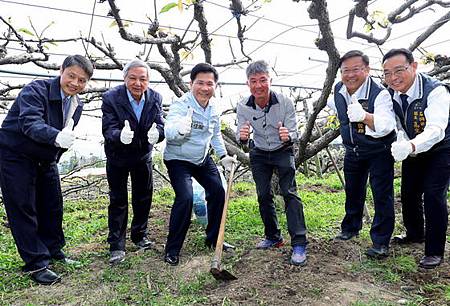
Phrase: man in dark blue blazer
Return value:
(132, 124)
(36, 131)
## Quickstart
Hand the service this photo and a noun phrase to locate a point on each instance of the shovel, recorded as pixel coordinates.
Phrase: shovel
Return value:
(215, 270)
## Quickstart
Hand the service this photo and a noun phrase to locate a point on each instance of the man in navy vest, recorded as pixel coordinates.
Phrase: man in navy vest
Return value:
(421, 104)
(36, 132)
(367, 124)
(132, 124)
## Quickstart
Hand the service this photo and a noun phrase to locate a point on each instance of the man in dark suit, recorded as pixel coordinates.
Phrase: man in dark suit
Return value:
(36, 131)
(132, 124)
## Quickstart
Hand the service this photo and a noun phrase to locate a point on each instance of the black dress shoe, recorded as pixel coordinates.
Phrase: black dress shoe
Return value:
(226, 247)
(430, 262)
(172, 260)
(145, 244)
(404, 239)
(346, 235)
(378, 252)
(45, 277)
(68, 261)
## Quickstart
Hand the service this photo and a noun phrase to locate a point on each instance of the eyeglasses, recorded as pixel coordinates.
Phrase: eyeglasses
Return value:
(355, 70)
(396, 72)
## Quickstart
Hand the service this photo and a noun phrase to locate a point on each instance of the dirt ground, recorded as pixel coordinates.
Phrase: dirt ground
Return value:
(265, 277)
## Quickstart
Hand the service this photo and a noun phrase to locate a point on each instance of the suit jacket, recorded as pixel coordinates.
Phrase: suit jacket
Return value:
(34, 120)
(116, 109)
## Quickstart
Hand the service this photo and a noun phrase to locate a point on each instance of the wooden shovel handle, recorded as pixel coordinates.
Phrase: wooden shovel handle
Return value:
(220, 238)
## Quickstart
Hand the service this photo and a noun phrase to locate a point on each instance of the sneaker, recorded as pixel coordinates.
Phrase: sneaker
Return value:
(298, 257)
(145, 244)
(116, 257)
(267, 244)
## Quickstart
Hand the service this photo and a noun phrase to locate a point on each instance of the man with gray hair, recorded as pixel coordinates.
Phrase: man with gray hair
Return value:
(132, 124)
(271, 118)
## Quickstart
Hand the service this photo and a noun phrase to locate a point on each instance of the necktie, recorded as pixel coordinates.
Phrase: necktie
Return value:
(66, 107)
(404, 99)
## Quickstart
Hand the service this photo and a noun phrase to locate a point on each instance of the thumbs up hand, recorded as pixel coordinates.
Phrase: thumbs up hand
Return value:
(185, 125)
(244, 131)
(401, 148)
(66, 137)
(126, 135)
(153, 134)
(283, 132)
(355, 111)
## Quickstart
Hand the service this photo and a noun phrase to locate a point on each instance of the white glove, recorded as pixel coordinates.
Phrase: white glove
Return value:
(66, 137)
(126, 135)
(228, 161)
(401, 148)
(355, 111)
(185, 126)
(153, 134)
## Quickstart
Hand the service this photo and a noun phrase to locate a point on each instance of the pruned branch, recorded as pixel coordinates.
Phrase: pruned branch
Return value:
(430, 30)
(199, 16)
(135, 38)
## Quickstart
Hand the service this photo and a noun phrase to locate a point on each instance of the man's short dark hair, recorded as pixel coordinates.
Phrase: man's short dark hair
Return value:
(80, 61)
(354, 53)
(403, 51)
(204, 68)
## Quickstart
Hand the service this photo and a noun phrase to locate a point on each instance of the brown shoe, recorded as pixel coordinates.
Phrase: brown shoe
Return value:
(430, 262)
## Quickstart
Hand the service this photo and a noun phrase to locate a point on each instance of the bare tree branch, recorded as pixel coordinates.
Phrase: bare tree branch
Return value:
(205, 44)
(430, 30)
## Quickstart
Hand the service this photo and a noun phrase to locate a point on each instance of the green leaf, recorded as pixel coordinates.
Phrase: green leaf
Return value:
(114, 23)
(169, 6)
(368, 27)
(26, 31)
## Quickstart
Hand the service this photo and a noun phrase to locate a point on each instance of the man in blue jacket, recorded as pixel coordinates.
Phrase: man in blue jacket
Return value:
(367, 124)
(36, 131)
(422, 105)
(193, 124)
(132, 124)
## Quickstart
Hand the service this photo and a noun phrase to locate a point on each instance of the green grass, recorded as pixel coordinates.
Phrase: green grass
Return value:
(390, 270)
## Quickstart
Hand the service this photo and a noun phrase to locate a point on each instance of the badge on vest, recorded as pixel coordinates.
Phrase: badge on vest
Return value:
(197, 125)
(418, 118)
(360, 127)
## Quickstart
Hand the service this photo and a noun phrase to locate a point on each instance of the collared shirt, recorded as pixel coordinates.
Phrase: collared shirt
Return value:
(383, 114)
(205, 131)
(264, 121)
(436, 114)
(137, 106)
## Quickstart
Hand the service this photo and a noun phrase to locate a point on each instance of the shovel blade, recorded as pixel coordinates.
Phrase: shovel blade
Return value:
(222, 274)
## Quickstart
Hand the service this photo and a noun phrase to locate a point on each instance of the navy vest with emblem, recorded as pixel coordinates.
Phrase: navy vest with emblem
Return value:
(414, 122)
(353, 133)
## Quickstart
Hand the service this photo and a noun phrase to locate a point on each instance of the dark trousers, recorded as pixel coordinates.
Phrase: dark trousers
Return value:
(426, 176)
(34, 206)
(263, 163)
(207, 175)
(380, 170)
(141, 200)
